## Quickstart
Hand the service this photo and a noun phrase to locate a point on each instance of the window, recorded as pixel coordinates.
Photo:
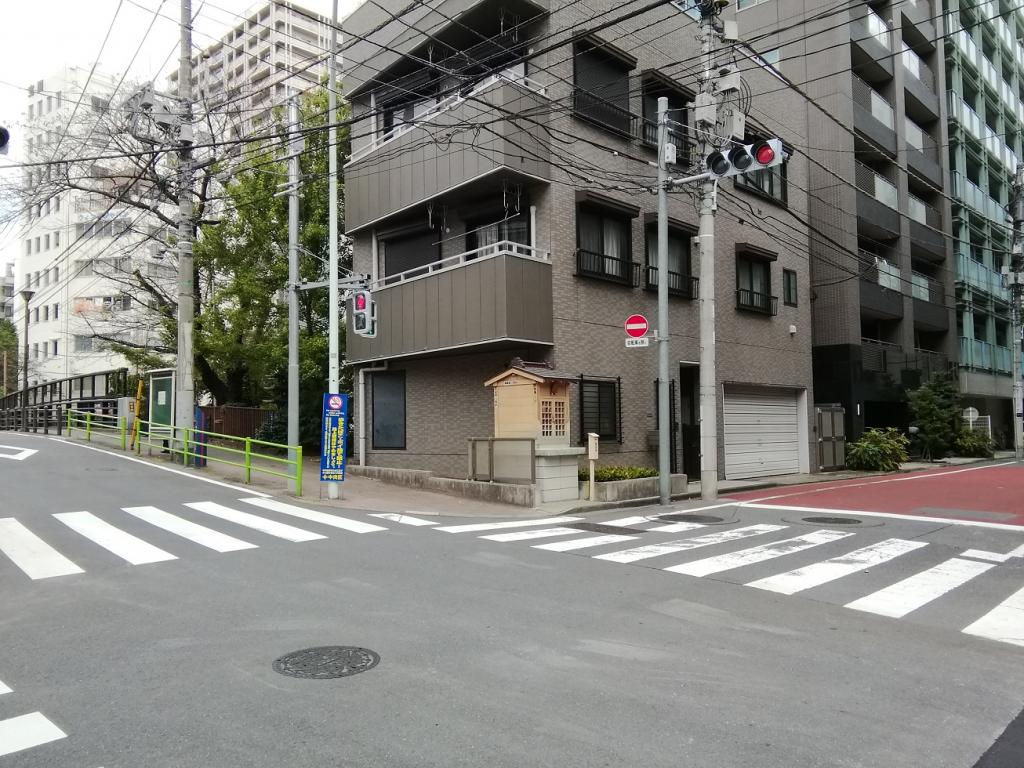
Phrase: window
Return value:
(753, 286)
(46, 242)
(494, 229)
(604, 239)
(741, 4)
(56, 311)
(553, 421)
(789, 287)
(599, 408)
(601, 92)
(83, 343)
(689, 7)
(403, 250)
(46, 313)
(28, 247)
(655, 86)
(35, 315)
(769, 183)
(389, 411)
(679, 267)
(35, 351)
(54, 347)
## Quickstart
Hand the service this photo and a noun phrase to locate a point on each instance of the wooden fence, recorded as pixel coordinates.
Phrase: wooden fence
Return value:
(237, 421)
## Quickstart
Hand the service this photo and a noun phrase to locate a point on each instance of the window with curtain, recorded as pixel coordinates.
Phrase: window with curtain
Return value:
(679, 267)
(604, 244)
(789, 287)
(481, 233)
(753, 285)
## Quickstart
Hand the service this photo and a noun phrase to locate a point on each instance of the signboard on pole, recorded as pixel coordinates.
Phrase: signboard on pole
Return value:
(636, 326)
(334, 438)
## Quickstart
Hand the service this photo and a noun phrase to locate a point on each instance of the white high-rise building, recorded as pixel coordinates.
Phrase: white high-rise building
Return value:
(7, 291)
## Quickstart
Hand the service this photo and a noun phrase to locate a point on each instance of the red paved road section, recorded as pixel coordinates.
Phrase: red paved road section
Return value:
(993, 494)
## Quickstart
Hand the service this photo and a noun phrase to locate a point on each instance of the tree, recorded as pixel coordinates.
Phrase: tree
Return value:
(936, 411)
(9, 347)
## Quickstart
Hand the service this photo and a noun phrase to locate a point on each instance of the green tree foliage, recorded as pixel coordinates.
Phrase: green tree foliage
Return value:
(974, 444)
(9, 344)
(878, 450)
(936, 411)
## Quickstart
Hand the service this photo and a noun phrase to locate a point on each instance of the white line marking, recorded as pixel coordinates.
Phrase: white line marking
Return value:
(727, 562)
(814, 575)
(271, 527)
(899, 599)
(26, 731)
(623, 522)
(675, 528)
(3, 688)
(21, 455)
(193, 476)
(590, 541)
(404, 519)
(909, 516)
(498, 526)
(124, 545)
(30, 553)
(984, 554)
(543, 533)
(1004, 623)
(200, 534)
(680, 545)
(356, 526)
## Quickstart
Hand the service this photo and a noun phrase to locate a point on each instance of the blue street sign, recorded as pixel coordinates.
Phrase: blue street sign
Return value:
(333, 438)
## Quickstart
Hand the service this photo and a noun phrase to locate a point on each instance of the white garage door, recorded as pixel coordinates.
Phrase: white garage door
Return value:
(762, 434)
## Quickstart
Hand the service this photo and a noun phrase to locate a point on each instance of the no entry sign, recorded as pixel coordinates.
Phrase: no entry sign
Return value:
(636, 326)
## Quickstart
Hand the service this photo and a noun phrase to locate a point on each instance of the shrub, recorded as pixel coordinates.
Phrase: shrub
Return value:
(936, 409)
(974, 444)
(878, 450)
(607, 474)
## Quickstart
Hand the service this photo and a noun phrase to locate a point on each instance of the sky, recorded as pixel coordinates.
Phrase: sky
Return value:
(38, 37)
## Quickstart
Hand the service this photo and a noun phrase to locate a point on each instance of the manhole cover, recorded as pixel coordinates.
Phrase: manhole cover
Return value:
(683, 518)
(833, 520)
(327, 662)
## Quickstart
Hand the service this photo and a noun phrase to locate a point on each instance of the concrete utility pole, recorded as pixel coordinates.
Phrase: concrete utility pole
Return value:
(706, 237)
(333, 377)
(664, 420)
(26, 295)
(293, 276)
(185, 402)
(1016, 281)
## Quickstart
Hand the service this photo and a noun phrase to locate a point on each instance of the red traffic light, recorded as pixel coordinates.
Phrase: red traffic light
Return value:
(360, 302)
(764, 153)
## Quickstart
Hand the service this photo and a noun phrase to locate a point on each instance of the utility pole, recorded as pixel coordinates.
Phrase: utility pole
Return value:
(664, 420)
(1016, 280)
(184, 409)
(706, 238)
(293, 277)
(333, 377)
(26, 295)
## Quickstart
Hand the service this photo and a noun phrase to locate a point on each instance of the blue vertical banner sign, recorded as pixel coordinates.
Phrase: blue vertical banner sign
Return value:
(334, 438)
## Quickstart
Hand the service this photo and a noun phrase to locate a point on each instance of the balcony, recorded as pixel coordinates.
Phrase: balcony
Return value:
(922, 154)
(761, 303)
(877, 203)
(873, 116)
(930, 306)
(881, 356)
(881, 294)
(498, 296)
(684, 286)
(925, 226)
(982, 355)
(920, 84)
(974, 197)
(613, 269)
(604, 113)
(478, 132)
(982, 278)
(872, 47)
(919, 15)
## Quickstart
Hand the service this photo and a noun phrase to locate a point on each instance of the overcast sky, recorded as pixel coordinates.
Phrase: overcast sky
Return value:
(38, 37)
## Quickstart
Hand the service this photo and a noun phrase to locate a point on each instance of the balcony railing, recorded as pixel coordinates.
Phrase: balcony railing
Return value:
(879, 29)
(977, 275)
(874, 102)
(983, 355)
(604, 267)
(923, 213)
(880, 356)
(753, 301)
(502, 248)
(682, 143)
(921, 141)
(876, 185)
(678, 283)
(927, 289)
(603, 112)
(883, 272)
(913, 64)
(974, 197)
(929, 362)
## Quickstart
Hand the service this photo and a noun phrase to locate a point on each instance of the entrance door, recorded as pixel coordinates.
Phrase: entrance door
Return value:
(689, 418)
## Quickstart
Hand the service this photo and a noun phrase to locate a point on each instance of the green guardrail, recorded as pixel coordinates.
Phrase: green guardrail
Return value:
(246, 453)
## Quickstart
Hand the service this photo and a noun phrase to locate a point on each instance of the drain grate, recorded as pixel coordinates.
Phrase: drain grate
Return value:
(684, 518)
(327, 662)
(599, 528)
(833, 520)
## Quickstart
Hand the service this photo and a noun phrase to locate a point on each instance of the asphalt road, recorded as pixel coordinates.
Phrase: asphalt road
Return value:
(492, 652)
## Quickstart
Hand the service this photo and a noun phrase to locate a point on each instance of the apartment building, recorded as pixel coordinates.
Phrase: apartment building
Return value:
(985, 89)
(882, 263)
(78, 250)
(278, 49)
(500, 193)
(7, 291)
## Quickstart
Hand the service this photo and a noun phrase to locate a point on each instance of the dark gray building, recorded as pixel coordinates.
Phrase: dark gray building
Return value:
(500, 194)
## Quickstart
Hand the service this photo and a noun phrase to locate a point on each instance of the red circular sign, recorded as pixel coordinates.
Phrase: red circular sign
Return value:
(636, 326)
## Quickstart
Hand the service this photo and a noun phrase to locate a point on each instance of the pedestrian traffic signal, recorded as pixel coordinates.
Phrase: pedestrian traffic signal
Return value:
(746, 158)
(5, 139)
(364, 314)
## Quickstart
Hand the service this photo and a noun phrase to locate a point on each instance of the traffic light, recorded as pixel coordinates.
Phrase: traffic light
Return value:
(5, 139)
(364, 314)
(746, 158)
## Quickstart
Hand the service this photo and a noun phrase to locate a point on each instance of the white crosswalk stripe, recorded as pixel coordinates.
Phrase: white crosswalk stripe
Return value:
(675, 528)
(732, 560)
(124, 545)
(625, 522)
(680, 545)
(31, 554)
(4, 688)
(335, 521)
(791, 582)
(1005, 622)
(584, 543)
(542, 533)
(474, 527)
(27, 731)
(200, 534)
(403, 519)
(262, 524)
(899, 599)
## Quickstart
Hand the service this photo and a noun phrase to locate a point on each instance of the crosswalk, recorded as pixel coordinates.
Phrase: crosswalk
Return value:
(26, 731)
(762, 556)
(236, 529)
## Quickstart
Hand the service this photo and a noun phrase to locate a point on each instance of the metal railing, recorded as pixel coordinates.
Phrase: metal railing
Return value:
(927, 289)
(501, 248)
(878, 29)
(874, 102)
(929, 362)
(603, 112)
(679, 139)
(916, 67)
(918, 139)
(974, 197)
(879, 356)
(102, 385)
(923, 213)
(754, 301)
(975, 353)
(979, 276)
(503, 459)
(604, 267)
(873, 183)
(678, 283)
(881, 272)
(98, 423)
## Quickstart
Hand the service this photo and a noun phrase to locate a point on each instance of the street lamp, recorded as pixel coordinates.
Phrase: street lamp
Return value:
(26, 296)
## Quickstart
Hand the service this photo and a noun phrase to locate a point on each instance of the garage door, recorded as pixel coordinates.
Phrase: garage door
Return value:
(762, 435)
